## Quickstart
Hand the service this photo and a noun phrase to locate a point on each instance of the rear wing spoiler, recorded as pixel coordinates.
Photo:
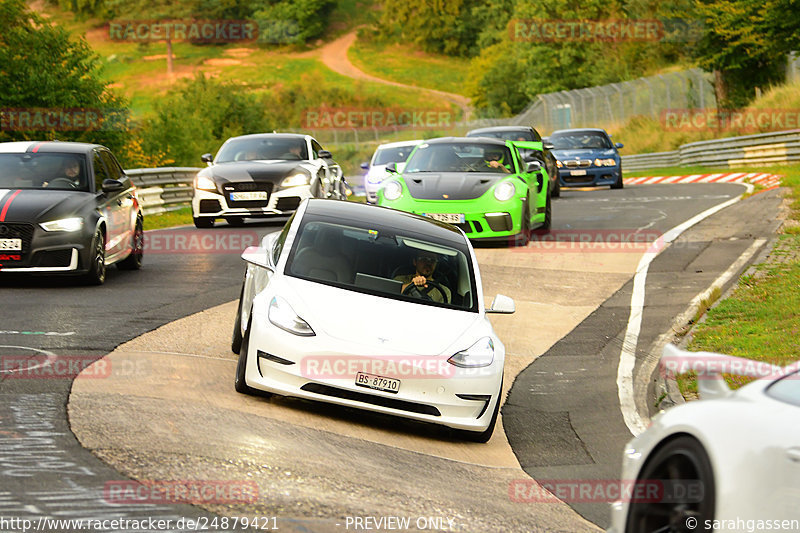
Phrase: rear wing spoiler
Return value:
(528, 145)
(710, 366)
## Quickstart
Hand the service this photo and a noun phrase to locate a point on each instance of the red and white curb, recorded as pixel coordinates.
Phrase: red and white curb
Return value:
(763, 179)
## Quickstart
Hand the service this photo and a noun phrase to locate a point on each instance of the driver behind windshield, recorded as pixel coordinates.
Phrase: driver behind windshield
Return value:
(424, 265)
(494, 159)
(68, 176)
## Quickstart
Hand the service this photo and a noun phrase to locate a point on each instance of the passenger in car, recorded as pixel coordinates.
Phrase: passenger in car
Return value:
(424, 265)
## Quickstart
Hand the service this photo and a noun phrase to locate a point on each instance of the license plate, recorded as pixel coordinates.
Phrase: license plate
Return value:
(372, 381)
(14, 245)
(577, 173)
(450, 218)
(249, 196)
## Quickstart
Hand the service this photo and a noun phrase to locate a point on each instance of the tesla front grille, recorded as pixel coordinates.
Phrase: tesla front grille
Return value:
(578, 163)
(18, 231)
(391, 403)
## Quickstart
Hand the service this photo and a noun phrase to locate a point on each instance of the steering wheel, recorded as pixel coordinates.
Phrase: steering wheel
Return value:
(422, 292)
(62, 180)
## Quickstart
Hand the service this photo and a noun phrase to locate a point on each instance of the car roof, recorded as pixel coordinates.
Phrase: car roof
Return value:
(400, 143)
(365, 214)
(271, 135)
(467, 140)
(578, 130)
(40, 147)
(500, 128)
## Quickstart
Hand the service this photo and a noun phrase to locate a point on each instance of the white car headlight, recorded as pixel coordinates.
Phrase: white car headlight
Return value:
(479, 354)
(282, 315)
(205, 183)
(604, 162)
(392, 190)
(559, 164)
(610, 162)
(65, 224)
(505, 191)
(295, 180)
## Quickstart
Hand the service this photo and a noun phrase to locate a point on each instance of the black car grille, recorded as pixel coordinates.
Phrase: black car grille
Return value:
(18, 231)
(247, 186)
(52, 258)
(577, 179)
(391, 403)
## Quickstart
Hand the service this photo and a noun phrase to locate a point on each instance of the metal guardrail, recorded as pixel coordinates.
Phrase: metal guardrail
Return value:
(763, 149)
(163, 189)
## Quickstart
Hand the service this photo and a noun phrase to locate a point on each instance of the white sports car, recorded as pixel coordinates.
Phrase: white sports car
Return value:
(372, 308)
(730, 462)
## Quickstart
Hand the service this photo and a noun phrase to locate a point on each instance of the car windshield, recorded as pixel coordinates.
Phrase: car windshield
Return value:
(382, 261)
(460, 157)
(583, 140)
(260, 148)
(505, 135)
(392, 154)
(43, 171)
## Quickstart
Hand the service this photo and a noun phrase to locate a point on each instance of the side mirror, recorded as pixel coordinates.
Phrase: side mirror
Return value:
(547, 145)
(365, 166)
(618, 145)
(392, 167)
(324, 154)
(534, 166)
(207, 158)
(502, 305)
(113, 186)
(256, 255)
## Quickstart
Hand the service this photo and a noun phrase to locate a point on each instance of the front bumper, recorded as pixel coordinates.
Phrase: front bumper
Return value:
(594, 177)
(46, 252)
(212, 204)
(320, 368)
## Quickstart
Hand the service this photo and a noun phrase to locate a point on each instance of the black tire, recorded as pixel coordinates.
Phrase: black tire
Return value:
(681, 460)
(203, 222)
(484, 436)
(134, 260)
(548, 215)
(97, 266)
(556, 189)
(236, 222)
(522, 238)
(618, 184)
(240, 384)
(236, 339)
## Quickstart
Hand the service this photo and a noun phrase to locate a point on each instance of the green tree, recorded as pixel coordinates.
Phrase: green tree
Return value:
(42, 68)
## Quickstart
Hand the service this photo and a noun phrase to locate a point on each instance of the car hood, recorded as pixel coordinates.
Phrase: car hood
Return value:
(41, 205)
(266, 170)
(455, 185)
(382, 325)
(584, 153)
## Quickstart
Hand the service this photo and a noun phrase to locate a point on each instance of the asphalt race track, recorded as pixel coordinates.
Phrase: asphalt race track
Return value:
(167, 409)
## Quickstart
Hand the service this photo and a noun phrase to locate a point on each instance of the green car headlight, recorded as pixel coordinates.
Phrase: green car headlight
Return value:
(505, 191)
(392, 190)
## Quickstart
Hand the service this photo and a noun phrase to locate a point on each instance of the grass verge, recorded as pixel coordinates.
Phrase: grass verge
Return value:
(760, 320)
(179, 217)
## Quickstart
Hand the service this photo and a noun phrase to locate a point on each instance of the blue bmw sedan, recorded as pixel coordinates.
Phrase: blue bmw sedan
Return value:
(586, 158)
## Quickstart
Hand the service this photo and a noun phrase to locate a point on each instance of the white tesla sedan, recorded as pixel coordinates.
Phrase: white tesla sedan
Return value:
(374, 308)
(730, 462)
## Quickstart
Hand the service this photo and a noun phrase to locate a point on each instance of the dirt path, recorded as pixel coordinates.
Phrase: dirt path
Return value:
(334, 56)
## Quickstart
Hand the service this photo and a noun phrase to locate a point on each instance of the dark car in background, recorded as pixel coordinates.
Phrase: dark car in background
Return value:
(67, 208)
(586, 157)
(525, 133)
(264, 175)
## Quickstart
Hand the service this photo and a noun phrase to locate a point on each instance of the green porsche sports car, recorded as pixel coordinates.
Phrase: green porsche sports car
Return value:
(480, 185)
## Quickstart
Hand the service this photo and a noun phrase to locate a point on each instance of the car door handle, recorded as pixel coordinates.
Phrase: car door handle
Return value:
(794, 455)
